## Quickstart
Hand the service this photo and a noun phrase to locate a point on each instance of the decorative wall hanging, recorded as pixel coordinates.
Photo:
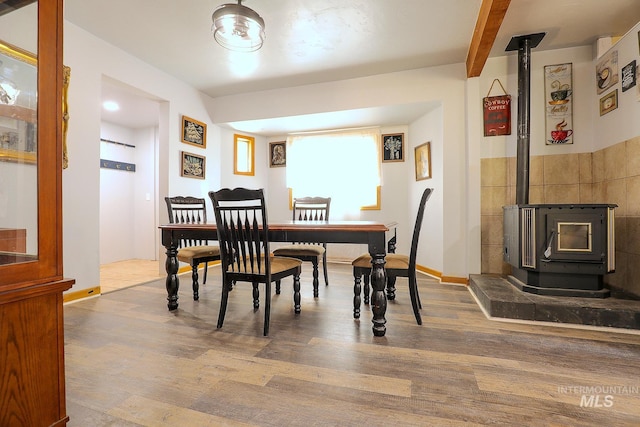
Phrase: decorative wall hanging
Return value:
(194, 132)
(277, 154)
(192, 165)
(609, 102)
(629, 76)
(423, 161)
(497, 112)
(607, 71)
(558, 88)
(393, 147)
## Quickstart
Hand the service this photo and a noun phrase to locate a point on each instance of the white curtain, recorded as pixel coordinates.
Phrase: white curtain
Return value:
(342, 165)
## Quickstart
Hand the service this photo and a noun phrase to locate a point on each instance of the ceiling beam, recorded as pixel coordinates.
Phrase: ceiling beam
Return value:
(489, 20)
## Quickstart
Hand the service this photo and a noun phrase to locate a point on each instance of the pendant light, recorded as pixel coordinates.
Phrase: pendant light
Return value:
(237, 27)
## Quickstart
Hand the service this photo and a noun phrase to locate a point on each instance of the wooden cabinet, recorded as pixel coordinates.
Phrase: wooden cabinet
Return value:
(32, 384)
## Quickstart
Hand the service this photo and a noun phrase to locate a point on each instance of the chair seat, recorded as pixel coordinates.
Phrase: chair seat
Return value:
(278, 265)
(190, 253)
(393, 261)
(299, 250)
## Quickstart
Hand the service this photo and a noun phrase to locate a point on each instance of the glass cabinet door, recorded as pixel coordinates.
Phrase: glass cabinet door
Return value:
(18, 134)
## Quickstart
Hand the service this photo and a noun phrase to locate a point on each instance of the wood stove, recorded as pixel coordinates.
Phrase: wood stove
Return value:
(560, 249)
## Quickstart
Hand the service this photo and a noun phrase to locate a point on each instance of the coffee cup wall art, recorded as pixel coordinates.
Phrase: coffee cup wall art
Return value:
(607, 71)
(558, 83)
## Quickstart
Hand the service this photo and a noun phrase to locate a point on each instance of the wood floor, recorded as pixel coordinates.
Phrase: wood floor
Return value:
(131, 362)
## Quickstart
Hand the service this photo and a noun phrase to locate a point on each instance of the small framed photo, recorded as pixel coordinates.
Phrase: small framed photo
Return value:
(629, 76)
(194, 132)
(277, 154)
(609, 102)
(393, 147)
(192, 165)
(423, 161)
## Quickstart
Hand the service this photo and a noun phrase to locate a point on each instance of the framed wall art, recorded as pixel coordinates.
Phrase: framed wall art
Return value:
(192, 165)
(558, 87)
(277, 154)
(609, 102)
(194, 132)
(629, 76)
(607, 71)
(423, 161)
(393, 147)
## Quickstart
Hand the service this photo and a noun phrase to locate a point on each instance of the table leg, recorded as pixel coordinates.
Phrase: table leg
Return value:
(172, 282)
(378, 297)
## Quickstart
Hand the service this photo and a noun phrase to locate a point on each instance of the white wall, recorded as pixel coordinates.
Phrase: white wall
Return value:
(90, 59)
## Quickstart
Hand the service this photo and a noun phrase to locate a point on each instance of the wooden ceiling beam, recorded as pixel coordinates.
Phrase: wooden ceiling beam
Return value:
(489, 20)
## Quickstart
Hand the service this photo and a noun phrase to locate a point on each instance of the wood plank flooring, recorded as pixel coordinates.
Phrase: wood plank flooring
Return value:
(131, 362)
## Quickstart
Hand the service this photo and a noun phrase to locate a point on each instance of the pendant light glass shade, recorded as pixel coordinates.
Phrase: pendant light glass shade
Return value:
(238, 28)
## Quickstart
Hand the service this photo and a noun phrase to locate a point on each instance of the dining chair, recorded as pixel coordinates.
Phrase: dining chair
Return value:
(192, 210)
(309, 209)
(243, 234)
(396, 265)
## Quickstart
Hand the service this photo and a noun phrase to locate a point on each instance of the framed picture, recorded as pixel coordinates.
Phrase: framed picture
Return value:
(393, 147)
(194, 132)
(423, 161)
(277, 154)
(558, 87)
(609, 102)
(192, 165)
(607, 71)
(629, 76)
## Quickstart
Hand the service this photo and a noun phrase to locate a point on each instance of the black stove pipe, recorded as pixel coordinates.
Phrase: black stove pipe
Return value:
(523, 44)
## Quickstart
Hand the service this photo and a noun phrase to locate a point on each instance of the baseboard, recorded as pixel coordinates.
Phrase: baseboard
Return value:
(82, 293)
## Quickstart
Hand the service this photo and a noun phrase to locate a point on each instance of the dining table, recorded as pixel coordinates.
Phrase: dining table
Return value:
(371, 233)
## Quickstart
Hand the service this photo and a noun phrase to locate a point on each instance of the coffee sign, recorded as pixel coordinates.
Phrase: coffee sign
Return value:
(497, 113)
(559, 104)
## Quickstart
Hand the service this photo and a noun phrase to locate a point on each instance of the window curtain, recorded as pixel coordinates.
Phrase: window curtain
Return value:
(342, 165)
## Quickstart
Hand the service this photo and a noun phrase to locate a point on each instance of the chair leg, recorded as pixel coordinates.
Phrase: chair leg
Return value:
(296, 293)
(256, 296)
(324, 269)
(315, 277)
(277, 287)
(267, 307)
(206, 269)
(223, 301)
(391, 288)
(413, 292)
(194, 285)
(367, 288)
(357, 290)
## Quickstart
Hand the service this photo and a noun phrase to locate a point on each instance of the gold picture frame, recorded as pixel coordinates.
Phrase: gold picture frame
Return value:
(392, 147)
(609, 102)
(194, 132)
(192, 165)
(423, 161)
(18, 119)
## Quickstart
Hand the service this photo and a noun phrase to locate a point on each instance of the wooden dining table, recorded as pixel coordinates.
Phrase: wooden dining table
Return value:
(371, 233)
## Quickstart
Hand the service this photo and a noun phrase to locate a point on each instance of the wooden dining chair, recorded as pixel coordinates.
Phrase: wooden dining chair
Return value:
(309, 209)
(243, 234)
(396, 265)
(192, 210)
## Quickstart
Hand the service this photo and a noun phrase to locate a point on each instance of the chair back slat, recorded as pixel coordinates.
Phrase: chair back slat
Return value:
(311, 209)
(241, 220)
(416, 229)
(187, 210)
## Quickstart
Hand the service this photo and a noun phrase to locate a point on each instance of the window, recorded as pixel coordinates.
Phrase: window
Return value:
(243, 155)
(342, 165)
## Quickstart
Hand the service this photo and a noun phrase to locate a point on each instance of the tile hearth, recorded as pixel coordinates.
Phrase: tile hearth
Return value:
(501, 299)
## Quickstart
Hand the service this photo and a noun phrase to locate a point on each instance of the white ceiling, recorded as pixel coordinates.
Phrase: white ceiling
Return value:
(313, 41)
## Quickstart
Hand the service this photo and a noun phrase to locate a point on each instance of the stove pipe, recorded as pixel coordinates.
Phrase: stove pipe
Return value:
(523, 44)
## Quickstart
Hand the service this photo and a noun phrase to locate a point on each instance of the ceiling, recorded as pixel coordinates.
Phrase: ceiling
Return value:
(314, 41)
